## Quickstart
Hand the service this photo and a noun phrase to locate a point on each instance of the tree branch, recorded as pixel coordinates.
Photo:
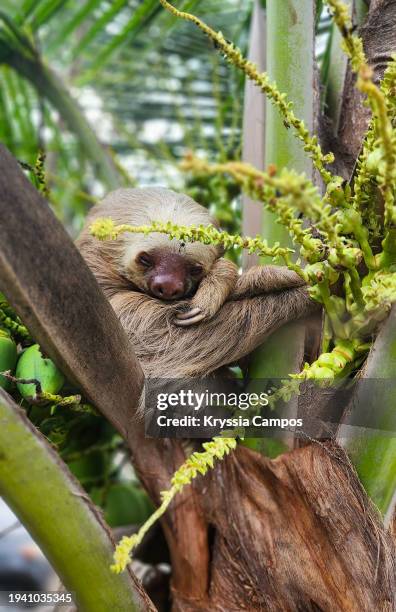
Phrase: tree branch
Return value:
(46, 280)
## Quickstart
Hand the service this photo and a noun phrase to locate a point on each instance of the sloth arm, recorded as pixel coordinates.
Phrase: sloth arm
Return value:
(236, 329)
(213, 290)
(265, 279)
(223, 283)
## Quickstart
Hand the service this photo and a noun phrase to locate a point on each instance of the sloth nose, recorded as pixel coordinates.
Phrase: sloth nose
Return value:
(167, 287)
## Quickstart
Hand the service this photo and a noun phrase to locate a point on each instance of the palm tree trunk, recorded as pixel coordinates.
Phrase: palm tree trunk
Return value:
(294, 533)
(290, 62)
(253, 132)
(373, 451)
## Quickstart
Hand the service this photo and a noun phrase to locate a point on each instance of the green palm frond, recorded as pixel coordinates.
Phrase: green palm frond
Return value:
(142, 67)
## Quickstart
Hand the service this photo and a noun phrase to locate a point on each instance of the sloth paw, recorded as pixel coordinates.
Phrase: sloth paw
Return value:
(184, 319)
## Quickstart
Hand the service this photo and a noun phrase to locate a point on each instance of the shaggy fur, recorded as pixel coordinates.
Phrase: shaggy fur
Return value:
(258, 302)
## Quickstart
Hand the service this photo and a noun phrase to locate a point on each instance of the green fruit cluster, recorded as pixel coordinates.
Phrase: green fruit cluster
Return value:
(30, 365)
(8, 357)
(33, 365)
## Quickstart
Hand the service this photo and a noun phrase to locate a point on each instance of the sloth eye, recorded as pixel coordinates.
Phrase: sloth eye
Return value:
(145, 260)
(196, 270)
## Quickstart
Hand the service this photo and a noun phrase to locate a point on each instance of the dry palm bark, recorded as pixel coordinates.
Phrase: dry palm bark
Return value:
(295, 533)
(379, 39)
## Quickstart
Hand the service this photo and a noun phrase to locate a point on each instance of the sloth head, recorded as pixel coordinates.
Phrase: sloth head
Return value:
(164, 268)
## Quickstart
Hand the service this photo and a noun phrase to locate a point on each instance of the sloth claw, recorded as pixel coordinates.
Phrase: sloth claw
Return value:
(184, 319)
(187, 322)
(187, 315)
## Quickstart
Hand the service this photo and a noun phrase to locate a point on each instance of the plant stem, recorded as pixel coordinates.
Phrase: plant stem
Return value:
(336, 75)
(254, 127)
(290, 45)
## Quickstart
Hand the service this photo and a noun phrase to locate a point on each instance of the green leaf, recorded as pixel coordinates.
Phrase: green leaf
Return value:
(147, 9)
(79, 17)
(90, 467)
(98, 26)
(126, 504)
(43, 12)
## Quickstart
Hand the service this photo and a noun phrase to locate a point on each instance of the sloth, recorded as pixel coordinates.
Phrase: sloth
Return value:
(187, 310)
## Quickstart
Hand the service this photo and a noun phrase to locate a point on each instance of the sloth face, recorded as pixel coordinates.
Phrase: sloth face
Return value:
(167, 275)
(162, 267)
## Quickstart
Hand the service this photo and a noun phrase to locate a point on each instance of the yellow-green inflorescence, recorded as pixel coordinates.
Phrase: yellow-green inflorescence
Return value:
(350, 240)
(105, 229)
(197, 463)
(39, 173)
(13, 324)
(10, 320)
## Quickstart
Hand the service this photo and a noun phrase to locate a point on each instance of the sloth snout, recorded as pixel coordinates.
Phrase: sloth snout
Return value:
(167, 287)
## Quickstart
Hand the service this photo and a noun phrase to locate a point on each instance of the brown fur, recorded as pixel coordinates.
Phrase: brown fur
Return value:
(258, 302)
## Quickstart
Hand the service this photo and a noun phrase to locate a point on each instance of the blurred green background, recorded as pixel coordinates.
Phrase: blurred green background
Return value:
(127, 75)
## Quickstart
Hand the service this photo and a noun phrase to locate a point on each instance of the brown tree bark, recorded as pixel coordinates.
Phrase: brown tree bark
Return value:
(297, 533)
(379, 40)
(314, 542)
